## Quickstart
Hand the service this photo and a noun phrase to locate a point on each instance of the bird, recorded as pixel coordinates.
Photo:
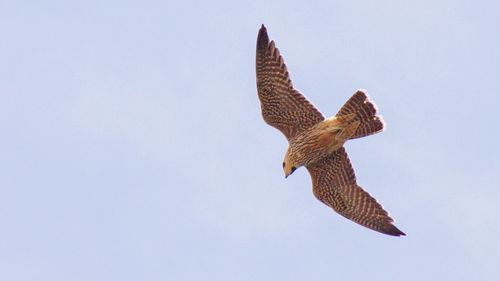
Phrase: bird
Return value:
(316, 142)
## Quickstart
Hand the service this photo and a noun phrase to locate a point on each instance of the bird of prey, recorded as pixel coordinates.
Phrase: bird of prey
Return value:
(316, 142)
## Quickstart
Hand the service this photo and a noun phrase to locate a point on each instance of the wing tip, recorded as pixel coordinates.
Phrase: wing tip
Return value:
(393, 231)
(262, 38)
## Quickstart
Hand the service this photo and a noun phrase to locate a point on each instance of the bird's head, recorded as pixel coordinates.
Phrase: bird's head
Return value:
(289, 164)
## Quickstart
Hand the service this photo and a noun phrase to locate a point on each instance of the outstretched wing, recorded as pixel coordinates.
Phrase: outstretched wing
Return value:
(334, 184)
(282, 106)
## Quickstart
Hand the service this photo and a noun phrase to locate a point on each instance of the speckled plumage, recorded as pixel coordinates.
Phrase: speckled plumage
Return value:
(316, 142)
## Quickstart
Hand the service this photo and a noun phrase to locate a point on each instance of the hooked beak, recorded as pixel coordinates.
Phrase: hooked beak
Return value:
(291, 172)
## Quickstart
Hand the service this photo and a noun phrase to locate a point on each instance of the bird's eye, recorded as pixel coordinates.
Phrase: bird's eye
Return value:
(283, 164)
(293, 169)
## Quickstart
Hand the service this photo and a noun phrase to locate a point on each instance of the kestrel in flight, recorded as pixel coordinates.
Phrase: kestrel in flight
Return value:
(316, 142)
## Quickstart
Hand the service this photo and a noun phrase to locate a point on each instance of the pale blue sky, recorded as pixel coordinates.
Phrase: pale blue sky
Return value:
(133, 147)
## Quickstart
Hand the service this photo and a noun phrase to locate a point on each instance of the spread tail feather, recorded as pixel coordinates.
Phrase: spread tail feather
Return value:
(366, 114)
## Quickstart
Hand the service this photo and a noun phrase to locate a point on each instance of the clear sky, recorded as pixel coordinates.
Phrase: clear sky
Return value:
(132, 145)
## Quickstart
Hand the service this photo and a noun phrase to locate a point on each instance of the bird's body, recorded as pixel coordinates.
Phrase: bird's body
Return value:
(320, 140)
(316, 142)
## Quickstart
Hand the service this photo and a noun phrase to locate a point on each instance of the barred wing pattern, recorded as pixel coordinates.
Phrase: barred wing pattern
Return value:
(282, 106)
(334, 183)
(366, 112)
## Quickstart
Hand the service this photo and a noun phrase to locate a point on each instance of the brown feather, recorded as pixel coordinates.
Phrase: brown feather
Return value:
(283, 107)
(366, 113)
(334, 183)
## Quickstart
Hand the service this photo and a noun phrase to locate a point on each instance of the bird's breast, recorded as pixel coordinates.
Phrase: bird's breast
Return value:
(316, 143)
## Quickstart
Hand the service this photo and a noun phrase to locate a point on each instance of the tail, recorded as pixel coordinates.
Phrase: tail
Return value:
(366, 114)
